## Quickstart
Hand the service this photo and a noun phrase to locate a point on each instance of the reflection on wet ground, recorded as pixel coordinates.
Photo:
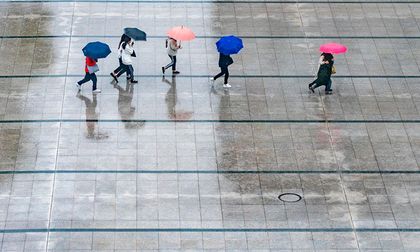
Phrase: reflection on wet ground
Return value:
(173, 163)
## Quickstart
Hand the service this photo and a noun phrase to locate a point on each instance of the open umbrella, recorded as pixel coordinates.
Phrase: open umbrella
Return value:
(229, 45)
(96, 50)
(181, 33)
(135, 33)
(334, 48)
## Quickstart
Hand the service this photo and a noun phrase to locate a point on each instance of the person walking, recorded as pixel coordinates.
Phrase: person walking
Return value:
(126, 57)
(172, 49)
(91, 67)
(224, 62)
(121, 68)
(323, 76)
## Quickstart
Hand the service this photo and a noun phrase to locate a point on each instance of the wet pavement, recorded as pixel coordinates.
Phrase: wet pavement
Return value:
(172, 163)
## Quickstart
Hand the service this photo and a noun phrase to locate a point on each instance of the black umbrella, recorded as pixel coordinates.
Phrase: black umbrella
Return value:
(135, 33)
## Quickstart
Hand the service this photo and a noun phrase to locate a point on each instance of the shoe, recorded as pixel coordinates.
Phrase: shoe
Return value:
(328, 92)
(163, 70)
(134, 81)
(115, 77)
(79, 87)
(227, 85)
(175, 72)
(96, 91)
(310, 88)
(212, 81)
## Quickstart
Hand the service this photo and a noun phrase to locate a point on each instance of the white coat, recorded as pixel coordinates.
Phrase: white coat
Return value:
(126, 54)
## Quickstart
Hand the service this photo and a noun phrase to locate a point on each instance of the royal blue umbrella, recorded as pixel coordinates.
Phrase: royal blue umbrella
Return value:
(96, 50)
(229, 45)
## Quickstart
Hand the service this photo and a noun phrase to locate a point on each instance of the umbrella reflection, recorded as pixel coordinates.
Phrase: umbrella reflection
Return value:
(91, 117)
(171, 100)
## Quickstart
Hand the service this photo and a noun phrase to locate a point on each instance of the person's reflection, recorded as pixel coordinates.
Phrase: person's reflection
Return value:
(91, 115)
(125, 97)
(171, 97)
(126, 110)
(171, 100)
(227, 150)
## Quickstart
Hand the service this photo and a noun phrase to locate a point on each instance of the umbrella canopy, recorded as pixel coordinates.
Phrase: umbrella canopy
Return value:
(229, 45)
(181, 33)
(334, 48)
(135, 34)
(96, 50)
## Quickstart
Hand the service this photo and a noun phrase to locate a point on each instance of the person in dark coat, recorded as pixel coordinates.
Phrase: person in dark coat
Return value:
(224, 62)
(324, 75)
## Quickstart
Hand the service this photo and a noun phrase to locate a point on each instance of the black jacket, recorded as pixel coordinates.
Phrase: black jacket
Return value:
(225, 60)
(324, 73)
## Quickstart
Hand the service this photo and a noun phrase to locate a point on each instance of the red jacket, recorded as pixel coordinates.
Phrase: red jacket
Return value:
(89, 62)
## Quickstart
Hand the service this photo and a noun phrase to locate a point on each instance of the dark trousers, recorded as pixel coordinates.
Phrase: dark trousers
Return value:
(88, 77)
(318, 84)
(223, 71)
(119, 68)
(127, 68)
(172, 64)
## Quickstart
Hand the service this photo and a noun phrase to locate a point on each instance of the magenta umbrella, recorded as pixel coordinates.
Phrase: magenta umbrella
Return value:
(334, 48)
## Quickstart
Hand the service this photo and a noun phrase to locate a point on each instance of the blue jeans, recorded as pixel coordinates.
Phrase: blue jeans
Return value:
(172, 64)
(88, 77)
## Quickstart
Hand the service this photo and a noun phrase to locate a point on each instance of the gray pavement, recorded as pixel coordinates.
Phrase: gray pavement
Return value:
(173, 164)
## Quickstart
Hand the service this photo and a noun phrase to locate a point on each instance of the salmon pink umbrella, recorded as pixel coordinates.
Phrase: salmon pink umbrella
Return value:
(181, 33)
(334, 48)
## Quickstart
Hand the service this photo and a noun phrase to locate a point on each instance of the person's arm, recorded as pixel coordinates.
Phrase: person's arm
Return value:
(129, 49)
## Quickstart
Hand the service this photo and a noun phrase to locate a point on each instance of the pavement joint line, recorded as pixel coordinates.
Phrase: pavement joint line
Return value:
(3, 172)
(210, 37)
(203, 121)
(210, 2)
(208, 76)
(206, 230)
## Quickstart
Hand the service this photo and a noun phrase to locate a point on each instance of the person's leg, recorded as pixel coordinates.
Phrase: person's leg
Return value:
(174, 64)
(171, 63)
(131, 70)
(312, 83)
(226, 72)
(124, 68)
(94, 80)
(85, 79)
(317, 84)
(328, 86)
(119, 68)
(219, 74)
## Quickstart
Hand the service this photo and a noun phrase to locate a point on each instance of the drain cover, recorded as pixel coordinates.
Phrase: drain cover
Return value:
(290, 197)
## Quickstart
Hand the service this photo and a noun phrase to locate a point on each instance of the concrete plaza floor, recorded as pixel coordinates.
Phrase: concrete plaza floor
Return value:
(175, 164)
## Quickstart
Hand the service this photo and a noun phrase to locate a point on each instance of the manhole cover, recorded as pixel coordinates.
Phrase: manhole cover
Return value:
(290, 197)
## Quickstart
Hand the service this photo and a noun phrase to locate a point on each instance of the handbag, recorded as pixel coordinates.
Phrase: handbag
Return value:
(93, 69)
(333, 71)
